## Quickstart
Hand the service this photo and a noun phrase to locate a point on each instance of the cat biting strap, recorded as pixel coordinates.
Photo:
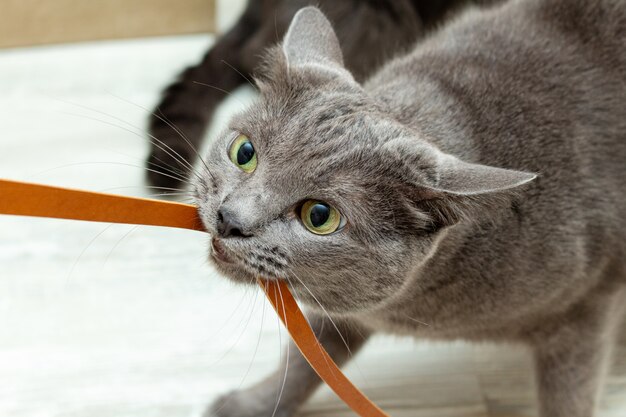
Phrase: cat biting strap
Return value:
(36, 200)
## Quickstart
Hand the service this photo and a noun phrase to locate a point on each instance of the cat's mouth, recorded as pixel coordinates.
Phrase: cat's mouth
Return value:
(230, 263)
(268, 263)
(219, 252)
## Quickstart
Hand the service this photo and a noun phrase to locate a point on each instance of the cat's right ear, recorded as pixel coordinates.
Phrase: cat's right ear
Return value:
(311, 42)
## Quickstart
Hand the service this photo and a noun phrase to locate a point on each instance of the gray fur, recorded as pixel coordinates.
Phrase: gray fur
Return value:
(433, 162)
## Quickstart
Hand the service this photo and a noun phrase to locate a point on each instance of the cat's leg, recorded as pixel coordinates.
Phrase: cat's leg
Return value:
(571, 357)
(188, 103)
(301, 381)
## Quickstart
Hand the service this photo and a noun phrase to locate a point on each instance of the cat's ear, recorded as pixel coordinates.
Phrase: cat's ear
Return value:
(312, 42)
(460, 178)
(448, 189)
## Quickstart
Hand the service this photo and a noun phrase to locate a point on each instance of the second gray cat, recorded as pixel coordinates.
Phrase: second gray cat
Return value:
(475, 184)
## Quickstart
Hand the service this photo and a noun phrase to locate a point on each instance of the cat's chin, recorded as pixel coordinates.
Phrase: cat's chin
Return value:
(231, 270)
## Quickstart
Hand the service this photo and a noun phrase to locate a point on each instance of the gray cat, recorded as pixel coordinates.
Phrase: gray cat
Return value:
(476, 184)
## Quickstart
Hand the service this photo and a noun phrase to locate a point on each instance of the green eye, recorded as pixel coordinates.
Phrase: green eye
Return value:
(242, 154)
(319, 217)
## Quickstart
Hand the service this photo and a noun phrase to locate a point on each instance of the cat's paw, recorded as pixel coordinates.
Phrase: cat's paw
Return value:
(245, 404)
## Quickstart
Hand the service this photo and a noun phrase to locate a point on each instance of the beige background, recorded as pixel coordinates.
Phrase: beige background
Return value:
(32, 22)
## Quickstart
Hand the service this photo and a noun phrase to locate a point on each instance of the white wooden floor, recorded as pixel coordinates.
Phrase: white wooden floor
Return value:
(99, 321)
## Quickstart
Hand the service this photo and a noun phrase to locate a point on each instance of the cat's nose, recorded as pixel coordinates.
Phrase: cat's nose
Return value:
(229, 226)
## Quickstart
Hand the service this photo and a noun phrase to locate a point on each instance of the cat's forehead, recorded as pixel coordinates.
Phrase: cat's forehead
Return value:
(315, 125)
(321, 147)
(312, 139)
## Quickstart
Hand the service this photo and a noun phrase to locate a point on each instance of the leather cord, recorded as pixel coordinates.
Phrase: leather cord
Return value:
(298, 327)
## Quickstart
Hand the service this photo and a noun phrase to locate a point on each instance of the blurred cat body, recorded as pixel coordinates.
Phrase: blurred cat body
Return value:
(482, 179)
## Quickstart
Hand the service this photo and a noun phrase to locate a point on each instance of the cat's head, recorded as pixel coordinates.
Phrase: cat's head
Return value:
(315, 185)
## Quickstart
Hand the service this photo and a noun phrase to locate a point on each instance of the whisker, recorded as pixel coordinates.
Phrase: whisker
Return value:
(321, 331)
(227, 93)
(171, 125)
(256, 348)
(280, 337)
(242, 331)
(235, 310)
(181, 194)
(239, 72)
(168, 168)
(282, 388)
(163, 118)
(184, 198)
(415, 320)
(219, 89)
(180, 159)
(161, 145)
(69, 275)
(321, 348)
(101, 162)
(326, 312)
(345, 343)
(150, 187)
(106, 259)
(163, 165)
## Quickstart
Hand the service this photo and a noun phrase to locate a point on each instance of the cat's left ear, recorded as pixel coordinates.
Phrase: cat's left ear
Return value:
(311, 42)
(449, 189)
(460, 178)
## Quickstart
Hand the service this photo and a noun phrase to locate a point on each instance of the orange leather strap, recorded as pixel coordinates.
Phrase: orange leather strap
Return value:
(290, 314)
(24, 199)
(37, 200)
